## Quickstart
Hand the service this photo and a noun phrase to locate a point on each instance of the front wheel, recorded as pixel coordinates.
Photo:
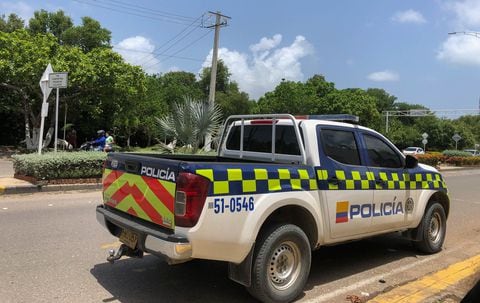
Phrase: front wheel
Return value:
(281, 264)
(433, 229)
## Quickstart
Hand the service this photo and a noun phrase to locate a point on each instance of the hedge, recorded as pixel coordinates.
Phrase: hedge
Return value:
(61, 165)
(456, 153)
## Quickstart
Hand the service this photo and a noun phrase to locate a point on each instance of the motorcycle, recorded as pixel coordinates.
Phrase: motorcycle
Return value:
(87, 146)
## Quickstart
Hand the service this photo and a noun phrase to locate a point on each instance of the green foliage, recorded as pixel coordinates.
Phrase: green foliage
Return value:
(383, 100)
(352, 101)
(222, 80)
(61, 165)
(11, 24)
(55, 23)
(290, 97)
(190, 121)
(456, 153)
(88, 36)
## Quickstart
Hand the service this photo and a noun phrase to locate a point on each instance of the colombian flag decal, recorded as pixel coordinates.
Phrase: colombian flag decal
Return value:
(342, 212)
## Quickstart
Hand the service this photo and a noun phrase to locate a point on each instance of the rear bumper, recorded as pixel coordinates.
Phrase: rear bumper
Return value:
(151, 239)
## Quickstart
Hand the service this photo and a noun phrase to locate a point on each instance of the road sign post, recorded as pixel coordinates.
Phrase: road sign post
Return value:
(57, 80)
(456, 138)
(424, 141)
(46, 92)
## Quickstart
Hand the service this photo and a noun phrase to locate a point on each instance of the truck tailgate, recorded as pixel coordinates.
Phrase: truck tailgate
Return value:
(141, 186)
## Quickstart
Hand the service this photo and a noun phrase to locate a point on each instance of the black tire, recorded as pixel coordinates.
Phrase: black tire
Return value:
(432, 229)
(281, 264)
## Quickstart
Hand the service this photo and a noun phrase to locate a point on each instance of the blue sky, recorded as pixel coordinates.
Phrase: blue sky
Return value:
(400, 46)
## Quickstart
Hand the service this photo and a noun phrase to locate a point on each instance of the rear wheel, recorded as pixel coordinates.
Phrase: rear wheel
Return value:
(281, 264)
(432, 229)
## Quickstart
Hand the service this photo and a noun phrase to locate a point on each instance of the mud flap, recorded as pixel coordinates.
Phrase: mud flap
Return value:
(242, 273)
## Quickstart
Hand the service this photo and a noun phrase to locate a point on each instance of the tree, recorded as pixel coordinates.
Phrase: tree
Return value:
(320, 86)
(352, 101)
(88, 36)
(55, 23)
(102, 88)
(290, 97)
(190, 121)
(11, 24)
(383, 100)
(234, 102)
(222, 79)
(175, 86)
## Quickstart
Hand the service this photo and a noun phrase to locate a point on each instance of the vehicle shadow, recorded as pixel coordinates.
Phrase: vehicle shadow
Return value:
(152, 280)
(341, 261)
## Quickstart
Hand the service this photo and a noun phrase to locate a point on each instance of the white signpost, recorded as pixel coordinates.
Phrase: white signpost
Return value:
(456, 138)
(46, 92)
(424, 141)
(57, 80)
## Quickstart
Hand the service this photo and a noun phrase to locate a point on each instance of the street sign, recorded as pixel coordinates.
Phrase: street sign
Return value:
(424, 135)
(44, 82)
(58, 80)
(456, 137)
(424, 142)
(46, 92)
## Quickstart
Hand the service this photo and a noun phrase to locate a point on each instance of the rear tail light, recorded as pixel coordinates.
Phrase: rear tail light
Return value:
(190, 197)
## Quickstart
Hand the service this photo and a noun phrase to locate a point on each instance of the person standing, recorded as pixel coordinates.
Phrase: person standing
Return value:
(108, 142)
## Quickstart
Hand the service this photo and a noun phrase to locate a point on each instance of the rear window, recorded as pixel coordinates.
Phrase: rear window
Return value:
(258, 138)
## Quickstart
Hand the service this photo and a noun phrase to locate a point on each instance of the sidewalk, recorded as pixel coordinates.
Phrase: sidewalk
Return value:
(9, 185)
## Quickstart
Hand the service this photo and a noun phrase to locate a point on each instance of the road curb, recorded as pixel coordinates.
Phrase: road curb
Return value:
(29, 189)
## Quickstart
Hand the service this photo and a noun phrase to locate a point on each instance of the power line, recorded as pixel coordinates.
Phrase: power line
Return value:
(150, 10)
(171, 46)
(179, 51)
(147, 52)
(161, 52)
(128, 12)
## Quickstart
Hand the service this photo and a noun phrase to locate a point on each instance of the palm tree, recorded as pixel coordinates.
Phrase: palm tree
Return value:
(189, 122)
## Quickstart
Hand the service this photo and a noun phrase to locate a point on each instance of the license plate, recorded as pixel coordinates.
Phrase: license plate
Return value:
(129, 238)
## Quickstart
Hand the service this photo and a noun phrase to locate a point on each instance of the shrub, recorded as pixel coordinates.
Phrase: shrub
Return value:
(432, 159)
(60, 165)
(456, 153)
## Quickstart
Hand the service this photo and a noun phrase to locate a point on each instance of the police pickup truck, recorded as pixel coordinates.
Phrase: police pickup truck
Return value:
(280, 187)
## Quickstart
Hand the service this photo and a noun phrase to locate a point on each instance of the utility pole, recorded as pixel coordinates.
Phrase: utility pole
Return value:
(220, 21)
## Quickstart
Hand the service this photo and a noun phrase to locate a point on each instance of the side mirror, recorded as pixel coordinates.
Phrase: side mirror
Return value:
(410, 161)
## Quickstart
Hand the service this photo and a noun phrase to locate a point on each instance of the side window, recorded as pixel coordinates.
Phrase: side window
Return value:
(340, 145)
(258, 138)
(381, 154)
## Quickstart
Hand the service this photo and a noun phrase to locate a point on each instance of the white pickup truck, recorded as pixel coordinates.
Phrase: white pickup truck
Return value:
(280, 187)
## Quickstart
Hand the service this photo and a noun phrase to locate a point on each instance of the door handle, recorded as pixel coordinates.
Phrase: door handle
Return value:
(333, 180)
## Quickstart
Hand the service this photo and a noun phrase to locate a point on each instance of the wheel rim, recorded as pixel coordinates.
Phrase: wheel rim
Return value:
(435, 229)
(285, 265)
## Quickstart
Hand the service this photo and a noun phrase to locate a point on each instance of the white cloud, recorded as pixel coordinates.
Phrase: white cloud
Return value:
(138, 50)
(460, 49)
(409, 16)
(384, 76)
(267, 65)
(467, 13)
(20, 8)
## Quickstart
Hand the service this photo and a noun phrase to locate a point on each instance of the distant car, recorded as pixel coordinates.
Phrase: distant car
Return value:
(412, 150)
(474, 152)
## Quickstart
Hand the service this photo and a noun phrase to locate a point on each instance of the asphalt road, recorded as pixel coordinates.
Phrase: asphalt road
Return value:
(53, 250)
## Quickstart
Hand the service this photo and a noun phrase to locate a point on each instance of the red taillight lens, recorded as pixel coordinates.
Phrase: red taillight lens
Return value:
(190, 197)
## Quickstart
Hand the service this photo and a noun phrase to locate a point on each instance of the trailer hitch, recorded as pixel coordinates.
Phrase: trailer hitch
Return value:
(123, 250)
